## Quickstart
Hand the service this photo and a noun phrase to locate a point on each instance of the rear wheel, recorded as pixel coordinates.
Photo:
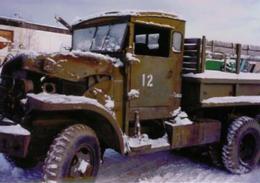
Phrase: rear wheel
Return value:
(74, 154)
(241, 152)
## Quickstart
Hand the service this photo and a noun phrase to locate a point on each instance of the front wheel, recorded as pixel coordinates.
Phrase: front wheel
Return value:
(74, 154)
(241, 152)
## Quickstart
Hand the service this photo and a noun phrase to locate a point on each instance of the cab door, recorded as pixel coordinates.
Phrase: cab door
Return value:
(153, 75)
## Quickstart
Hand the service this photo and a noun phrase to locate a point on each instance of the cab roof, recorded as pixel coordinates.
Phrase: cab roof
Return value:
(127, 15)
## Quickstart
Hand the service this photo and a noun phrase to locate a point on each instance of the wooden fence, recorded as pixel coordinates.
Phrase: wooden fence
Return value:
(196, 51)
(231, 49)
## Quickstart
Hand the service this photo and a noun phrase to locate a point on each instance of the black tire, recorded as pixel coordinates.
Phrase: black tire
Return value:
(75, 145)
(240, 153)
(24, 163)
(257, 118)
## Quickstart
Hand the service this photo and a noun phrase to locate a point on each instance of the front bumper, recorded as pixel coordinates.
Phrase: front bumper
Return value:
(14, 139)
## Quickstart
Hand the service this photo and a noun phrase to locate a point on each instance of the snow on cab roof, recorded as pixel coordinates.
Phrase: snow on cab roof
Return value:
(129, 13)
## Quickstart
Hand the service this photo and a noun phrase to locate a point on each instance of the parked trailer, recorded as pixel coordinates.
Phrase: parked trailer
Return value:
(18, 35)
(123, 86)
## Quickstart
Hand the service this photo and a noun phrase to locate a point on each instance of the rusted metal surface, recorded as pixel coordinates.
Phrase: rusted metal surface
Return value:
(205, 132)
(73, 67)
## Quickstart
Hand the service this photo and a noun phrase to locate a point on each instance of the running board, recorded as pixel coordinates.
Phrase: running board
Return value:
(144, 145)
(148, 151)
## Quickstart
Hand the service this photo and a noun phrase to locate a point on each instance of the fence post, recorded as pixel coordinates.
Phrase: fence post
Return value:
(203, 54)
(238, 57)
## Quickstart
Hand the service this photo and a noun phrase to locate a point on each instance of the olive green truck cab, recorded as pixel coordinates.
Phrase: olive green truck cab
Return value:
(122, 86)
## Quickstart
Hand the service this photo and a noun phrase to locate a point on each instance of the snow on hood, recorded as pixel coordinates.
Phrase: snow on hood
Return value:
(77, 53)
(74, 53)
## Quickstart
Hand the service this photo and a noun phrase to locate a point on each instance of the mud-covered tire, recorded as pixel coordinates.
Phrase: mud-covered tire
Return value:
(240, 153)
(74, 149)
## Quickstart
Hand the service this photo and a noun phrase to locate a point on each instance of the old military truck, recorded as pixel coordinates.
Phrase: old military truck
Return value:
(121, 87)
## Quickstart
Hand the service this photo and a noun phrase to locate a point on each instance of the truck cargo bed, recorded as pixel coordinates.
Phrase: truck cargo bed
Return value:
(219, 89)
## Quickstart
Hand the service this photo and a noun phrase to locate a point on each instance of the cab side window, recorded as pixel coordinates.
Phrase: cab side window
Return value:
(151, 40)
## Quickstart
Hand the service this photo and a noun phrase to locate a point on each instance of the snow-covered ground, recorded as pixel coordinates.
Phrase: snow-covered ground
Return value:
(9, 173)
(158, 167)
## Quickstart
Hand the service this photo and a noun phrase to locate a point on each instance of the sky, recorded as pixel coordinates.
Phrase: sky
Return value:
(226, 20)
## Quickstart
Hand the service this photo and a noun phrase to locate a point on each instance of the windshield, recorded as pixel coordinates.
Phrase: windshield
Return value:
(106, 38)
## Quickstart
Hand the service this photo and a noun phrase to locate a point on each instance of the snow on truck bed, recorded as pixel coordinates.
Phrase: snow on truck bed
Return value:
(223, 75)
(232, 100)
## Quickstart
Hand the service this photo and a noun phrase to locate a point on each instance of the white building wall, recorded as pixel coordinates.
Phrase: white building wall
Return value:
(35, 40)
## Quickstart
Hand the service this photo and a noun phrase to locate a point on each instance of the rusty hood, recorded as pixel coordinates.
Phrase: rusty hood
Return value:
(73, 65)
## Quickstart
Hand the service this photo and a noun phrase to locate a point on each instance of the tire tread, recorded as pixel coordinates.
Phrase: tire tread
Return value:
(54, 157)
(228, 148)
